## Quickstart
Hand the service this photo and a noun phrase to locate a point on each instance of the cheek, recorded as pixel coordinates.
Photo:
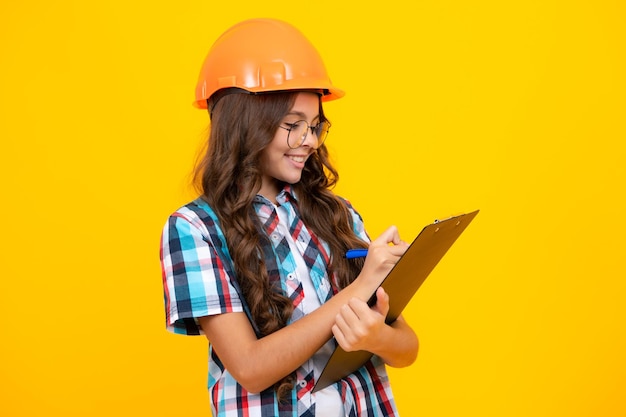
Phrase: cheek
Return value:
(269, 160)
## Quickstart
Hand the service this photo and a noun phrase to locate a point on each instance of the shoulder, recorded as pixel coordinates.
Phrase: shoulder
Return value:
(350, 207)
(358, 225)
(195, 218)
(195, 212)
(346, 202)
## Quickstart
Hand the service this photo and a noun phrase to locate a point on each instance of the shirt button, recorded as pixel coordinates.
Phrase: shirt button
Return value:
(275, 236)
(302, 384)
(291, 276)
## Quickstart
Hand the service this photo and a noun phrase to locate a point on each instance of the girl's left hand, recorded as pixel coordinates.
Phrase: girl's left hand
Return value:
(359, 327)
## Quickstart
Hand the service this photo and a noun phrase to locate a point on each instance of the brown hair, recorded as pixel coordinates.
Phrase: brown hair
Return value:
(229, 177)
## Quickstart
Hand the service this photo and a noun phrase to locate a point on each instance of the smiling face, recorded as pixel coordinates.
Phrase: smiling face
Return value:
(279, 162)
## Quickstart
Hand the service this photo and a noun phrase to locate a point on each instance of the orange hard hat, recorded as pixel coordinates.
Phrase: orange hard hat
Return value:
(262, 55)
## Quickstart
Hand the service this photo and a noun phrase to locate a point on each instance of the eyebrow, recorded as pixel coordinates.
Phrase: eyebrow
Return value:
(301, 114)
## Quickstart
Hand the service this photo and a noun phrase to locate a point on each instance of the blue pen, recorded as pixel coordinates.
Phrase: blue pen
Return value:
(356, 253)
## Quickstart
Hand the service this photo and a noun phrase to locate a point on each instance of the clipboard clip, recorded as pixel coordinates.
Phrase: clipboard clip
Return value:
(449, 218)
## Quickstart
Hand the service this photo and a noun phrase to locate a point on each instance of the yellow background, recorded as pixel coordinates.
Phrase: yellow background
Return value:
(513, 108)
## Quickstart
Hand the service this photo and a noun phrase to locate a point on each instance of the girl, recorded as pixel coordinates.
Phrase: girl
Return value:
(256, 263)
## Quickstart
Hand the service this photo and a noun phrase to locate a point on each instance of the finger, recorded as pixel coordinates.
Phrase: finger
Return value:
(398, 250)
(348, 315)
(339, 336)
(360, 309)
(382, 302)
(343, 330)
(368, 318)
(391, 235)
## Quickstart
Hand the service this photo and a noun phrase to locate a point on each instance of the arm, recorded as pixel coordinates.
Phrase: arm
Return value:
(258, 363)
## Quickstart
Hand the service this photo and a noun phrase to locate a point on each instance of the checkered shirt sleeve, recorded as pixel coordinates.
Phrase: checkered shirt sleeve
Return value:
(194, 280)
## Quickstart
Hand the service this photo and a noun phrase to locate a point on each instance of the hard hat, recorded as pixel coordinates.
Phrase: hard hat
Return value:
(261, 55)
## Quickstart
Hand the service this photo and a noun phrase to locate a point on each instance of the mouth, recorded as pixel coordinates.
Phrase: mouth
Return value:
(297, 158)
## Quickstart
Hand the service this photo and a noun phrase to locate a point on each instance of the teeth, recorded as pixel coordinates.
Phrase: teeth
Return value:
(297, 158)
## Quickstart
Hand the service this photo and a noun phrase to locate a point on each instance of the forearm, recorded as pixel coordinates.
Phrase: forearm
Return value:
(259, 363)
(399, 344)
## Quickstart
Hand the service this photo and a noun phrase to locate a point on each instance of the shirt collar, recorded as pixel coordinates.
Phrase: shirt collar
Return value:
(285, 195)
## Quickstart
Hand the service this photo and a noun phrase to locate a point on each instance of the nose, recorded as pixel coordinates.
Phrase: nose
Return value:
(310, 139)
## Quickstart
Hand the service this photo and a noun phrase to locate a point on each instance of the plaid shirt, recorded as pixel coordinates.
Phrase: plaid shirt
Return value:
(199, 280)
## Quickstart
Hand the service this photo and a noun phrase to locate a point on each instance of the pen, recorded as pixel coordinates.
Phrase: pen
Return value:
(356, 253)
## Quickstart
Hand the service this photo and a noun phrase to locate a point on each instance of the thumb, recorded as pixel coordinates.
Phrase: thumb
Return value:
(382, 302)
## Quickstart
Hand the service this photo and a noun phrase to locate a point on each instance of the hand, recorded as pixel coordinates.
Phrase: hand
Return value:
(359, 327)
(383, 253)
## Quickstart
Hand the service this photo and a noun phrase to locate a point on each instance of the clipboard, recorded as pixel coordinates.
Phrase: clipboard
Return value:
(402, 282)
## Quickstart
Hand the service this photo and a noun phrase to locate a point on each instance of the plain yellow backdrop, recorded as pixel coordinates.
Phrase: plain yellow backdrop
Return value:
(514, 108)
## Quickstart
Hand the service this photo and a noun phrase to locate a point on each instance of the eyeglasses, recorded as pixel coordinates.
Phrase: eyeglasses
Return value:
(300, 129)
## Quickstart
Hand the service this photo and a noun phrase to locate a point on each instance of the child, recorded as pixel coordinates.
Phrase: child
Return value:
(256, 263)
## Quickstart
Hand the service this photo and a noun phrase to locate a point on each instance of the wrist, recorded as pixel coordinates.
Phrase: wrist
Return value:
(363, 287)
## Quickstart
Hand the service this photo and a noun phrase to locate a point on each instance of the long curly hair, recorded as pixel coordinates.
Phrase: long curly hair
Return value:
(229, 177)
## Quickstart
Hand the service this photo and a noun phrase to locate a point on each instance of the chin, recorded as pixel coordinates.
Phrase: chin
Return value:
(293, 180)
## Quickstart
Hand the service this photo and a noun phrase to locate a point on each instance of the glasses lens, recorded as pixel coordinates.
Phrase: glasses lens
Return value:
(297, 134)
(321, 131)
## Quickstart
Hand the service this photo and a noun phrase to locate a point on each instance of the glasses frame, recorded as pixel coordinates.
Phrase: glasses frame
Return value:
(310, 128)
